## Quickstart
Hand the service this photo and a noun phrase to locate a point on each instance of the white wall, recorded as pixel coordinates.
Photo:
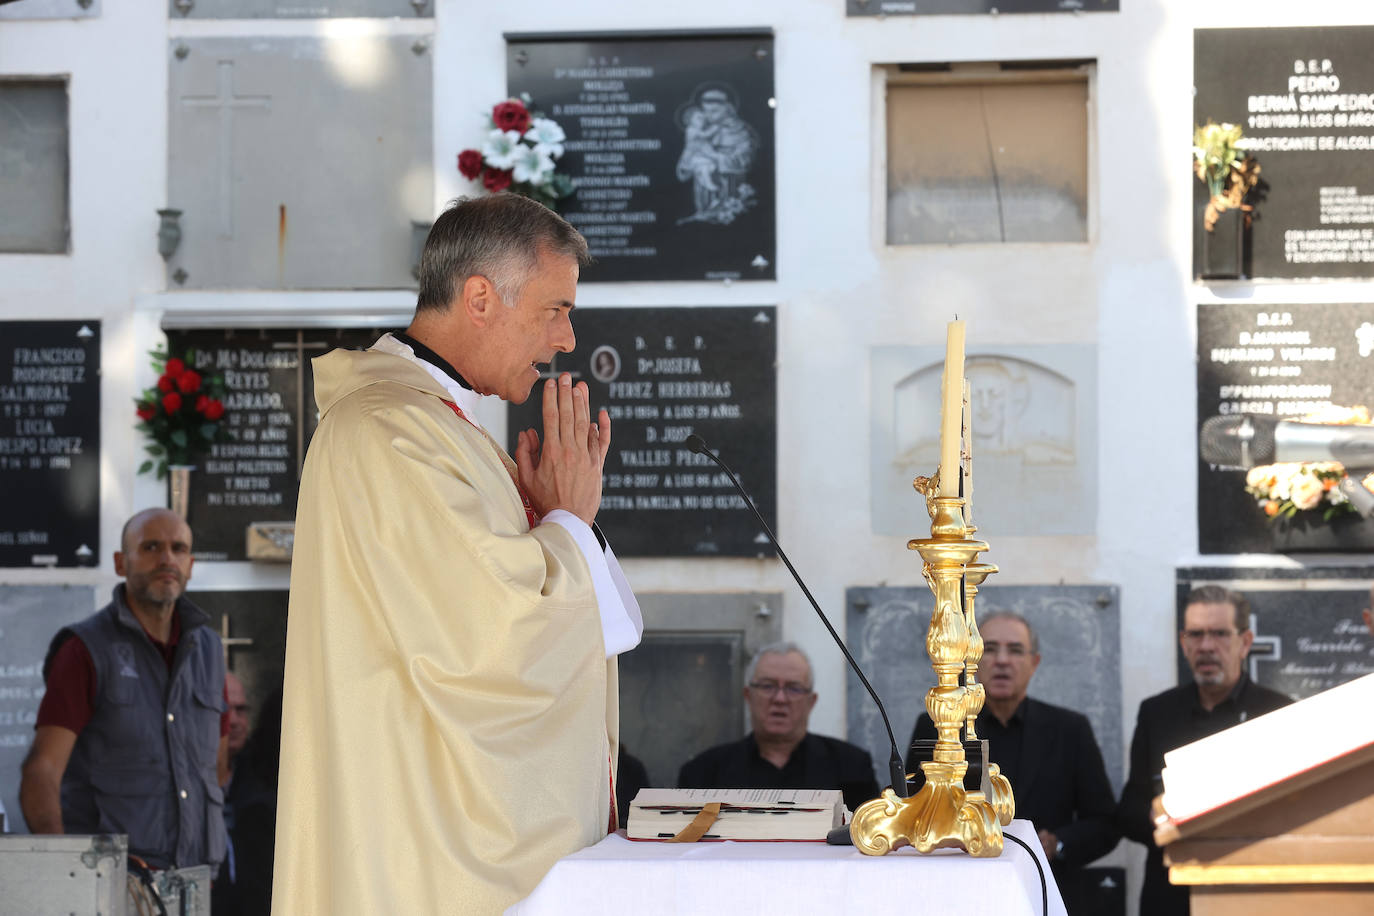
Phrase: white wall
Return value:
(840, 290)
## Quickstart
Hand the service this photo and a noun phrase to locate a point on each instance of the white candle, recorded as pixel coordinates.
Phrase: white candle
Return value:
(951, 409)
(968, 458)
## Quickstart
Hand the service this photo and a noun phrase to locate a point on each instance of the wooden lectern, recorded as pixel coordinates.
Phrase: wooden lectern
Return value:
(1280, 819)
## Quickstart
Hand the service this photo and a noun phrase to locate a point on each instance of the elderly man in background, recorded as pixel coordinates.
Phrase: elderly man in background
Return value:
(780, 753)
(1215, 639)
(1047, 752)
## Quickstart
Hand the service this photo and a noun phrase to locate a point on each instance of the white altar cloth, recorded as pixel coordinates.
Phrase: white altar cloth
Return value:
(679, 879)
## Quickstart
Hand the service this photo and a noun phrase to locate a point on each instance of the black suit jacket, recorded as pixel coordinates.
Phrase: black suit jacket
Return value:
(830, 764)
(1062, 785)
(1166, 721)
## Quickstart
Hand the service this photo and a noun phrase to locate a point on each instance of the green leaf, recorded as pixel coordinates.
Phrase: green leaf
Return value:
(208, 430)
(178, 436)
(156, 450)
(145, 467)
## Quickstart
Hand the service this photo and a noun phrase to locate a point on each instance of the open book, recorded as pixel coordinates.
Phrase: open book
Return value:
(745, 814)
(1277, 751)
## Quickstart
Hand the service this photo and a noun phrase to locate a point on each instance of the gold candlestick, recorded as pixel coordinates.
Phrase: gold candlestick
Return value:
(943, 814)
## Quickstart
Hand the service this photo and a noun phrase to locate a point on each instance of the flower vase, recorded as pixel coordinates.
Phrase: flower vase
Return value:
(1223, 249)
(179, 488)
(1342, 534)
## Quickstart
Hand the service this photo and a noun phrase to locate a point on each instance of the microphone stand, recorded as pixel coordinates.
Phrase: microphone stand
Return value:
(896, 769)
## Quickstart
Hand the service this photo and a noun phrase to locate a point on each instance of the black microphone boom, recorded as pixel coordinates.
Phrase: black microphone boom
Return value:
(896, 769)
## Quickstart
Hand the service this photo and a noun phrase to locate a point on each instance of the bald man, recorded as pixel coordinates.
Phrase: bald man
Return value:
(131, 734)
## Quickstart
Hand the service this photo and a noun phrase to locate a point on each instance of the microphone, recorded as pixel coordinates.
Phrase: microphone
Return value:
(896, 769)
(1245, 441)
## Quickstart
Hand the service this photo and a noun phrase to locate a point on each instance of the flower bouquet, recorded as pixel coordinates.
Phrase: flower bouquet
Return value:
(180, 415)
(519, 153)
(1283, 490)
(1230, 173)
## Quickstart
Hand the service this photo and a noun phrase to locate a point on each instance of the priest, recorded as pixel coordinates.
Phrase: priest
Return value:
(450, 720)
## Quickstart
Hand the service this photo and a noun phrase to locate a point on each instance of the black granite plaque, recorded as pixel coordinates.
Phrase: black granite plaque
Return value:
(1276, 361)
(665, 374)
(1309, 632)
(1305, 99)
(958, 7)
(50, 443)
(257, 637)
(669, 145)
(269, 414)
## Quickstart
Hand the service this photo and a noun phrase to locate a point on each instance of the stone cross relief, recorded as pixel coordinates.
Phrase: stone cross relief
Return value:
(224, 101)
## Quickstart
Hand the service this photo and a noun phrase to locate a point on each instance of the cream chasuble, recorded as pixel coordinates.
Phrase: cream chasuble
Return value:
(449, 713)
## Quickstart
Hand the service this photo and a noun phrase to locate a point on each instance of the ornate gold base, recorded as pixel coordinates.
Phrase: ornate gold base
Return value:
(941, 815)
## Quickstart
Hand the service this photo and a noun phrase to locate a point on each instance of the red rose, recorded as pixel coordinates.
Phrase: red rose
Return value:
(470, 163)
(171, 402)
(496, 180)
(175, 367)
(511, 115)
(165, 383)
(214, 410)
(146, 411)
(188, 381)
(201, 403)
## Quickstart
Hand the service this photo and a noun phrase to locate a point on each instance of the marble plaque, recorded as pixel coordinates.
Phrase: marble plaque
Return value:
(1080, 657)
(1309, 632)
(1034, 427)
(50, 9)
(670, 148)
(1301, 96)
(33, 166)
(975, 7)
(681, 690)
(30, 615)
(298, 163)
(297, 9)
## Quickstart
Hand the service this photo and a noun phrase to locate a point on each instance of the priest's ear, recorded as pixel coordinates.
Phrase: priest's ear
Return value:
(478, 298)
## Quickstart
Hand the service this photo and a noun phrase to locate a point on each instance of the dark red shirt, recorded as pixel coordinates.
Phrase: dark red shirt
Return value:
(70, 698)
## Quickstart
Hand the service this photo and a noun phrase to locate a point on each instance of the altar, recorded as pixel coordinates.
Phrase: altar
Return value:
(624, 876)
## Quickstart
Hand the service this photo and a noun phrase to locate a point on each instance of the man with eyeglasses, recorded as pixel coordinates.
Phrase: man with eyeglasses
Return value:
(1048, 753)
(780, 753)
(1215, 639)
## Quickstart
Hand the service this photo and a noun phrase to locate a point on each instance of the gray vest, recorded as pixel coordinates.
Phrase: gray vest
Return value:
(145, 763)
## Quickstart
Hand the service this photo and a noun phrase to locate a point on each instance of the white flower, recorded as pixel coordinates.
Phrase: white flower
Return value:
(546, 136)
(1307, 491)
(501, 148)
(531, 165)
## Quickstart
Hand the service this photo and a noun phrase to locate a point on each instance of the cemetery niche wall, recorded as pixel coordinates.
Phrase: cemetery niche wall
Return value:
(669, 147)
(270, 415)
(1278, 361)
(1302, 98)
(50, 443)
(975, 7)
(665, 374)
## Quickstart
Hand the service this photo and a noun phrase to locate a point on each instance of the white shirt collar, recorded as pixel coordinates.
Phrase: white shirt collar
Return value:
(466, 399)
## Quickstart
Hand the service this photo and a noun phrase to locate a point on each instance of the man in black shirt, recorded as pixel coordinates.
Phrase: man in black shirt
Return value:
(1216, 638)
(1047, 752)
(780, 753)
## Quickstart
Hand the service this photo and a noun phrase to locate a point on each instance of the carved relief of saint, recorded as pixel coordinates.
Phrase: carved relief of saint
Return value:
(718, 150)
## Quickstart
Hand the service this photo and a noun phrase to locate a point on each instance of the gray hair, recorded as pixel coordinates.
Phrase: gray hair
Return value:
(1220, 594)
(1012, 615)
(779, 648)
(497, 237)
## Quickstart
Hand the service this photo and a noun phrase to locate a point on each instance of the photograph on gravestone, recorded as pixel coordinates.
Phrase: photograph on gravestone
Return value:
(298, 9)
(1078, 627)
(1301, 97)
(30, 615)
(34, 175)
(975, 7)
(1034, 431)
(298, 162)
(50, 9)
(669, 148)
(50, 443)
(270, 415)
(664, 374)
(252, 626)
(1278, 361)
(1309, 628)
